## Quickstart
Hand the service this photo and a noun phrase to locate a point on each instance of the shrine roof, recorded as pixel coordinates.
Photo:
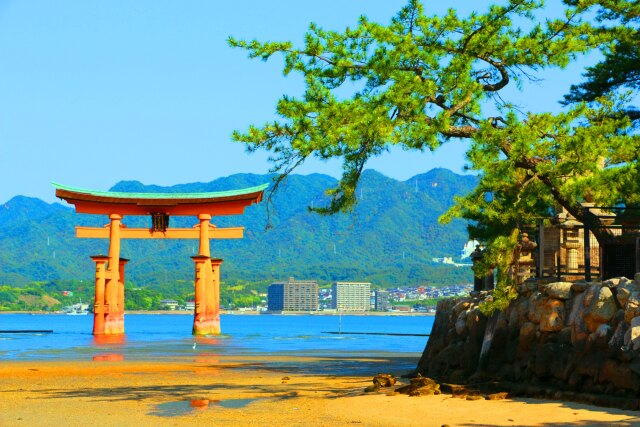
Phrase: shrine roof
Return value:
(137, 203)
(164, 195)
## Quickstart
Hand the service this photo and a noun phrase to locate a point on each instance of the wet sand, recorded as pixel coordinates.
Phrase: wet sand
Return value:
(210, 390)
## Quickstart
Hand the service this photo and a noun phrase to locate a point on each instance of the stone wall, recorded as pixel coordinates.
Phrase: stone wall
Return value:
(572, 341)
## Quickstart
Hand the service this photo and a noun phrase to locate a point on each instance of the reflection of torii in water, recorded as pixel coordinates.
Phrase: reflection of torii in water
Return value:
(109, 287)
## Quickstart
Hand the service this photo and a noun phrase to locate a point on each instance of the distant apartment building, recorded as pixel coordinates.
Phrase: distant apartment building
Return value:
(294, 295)
(169, 304)
(382, 300)
(352, 296)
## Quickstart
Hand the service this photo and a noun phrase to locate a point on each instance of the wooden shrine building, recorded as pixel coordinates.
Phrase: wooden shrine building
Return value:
(109, 276)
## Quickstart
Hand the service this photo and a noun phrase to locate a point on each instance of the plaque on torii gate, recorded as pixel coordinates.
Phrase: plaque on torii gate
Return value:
(109, 276)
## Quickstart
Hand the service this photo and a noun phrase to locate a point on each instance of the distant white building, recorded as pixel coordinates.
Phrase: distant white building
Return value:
(352, 296)
(169, 304)
(469, 247)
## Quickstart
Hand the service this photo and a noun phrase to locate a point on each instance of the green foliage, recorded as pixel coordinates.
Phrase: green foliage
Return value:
(414, 83)
(620, 68)
(422, 80)
(499, 255)
(33, 297)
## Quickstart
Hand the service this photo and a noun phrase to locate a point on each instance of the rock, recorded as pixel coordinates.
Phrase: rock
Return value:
(497, 396)
(617, 339)
(523, 310)
(635, 367)
(623, 295)
(564, 336)
(461, 324)
(460, 307)
(552, 316)
(527, 335)
(558, 290)
(589, 295)
(602, 335)
(472, 317)
(575, 379)
(579, 331)
(531, 285)
(618, 374)
(502, 323)
(632, 308)
(384, 380)
(601, 307)
(613, 283)
(579, 287)
(635, 333)
(535, 307)
(475, 397)
(420, 386)
(513, 319)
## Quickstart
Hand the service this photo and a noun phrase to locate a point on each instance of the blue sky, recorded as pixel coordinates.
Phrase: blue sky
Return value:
(94, 92)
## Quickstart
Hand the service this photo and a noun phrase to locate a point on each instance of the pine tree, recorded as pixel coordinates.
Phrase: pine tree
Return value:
(422, 81)
(620, 68)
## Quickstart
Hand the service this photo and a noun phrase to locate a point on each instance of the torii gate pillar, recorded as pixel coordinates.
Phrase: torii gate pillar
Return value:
(206, 318)
(98, 306)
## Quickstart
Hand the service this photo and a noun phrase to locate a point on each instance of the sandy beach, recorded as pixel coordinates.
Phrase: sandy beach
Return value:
(210, 390)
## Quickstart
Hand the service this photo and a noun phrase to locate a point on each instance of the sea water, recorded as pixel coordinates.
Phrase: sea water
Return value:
(158, 336)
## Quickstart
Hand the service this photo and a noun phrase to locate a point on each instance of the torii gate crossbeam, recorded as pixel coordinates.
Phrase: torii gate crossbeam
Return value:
(109, 282)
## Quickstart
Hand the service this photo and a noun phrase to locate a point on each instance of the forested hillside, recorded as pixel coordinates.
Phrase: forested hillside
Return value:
(389, 239)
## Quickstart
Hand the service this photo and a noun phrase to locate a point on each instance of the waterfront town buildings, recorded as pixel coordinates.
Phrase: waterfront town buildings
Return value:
(382, 300)
(351, 296)
(294, 295)
(305, 295)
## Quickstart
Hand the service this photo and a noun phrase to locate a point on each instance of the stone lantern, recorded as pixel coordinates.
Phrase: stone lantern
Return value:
(526, 260)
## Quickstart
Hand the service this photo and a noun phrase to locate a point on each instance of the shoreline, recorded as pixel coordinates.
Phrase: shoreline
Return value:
(250, 313)
(207, 389)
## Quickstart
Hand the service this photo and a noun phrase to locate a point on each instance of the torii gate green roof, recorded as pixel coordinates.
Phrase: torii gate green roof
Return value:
(231, 202)
(165, 195)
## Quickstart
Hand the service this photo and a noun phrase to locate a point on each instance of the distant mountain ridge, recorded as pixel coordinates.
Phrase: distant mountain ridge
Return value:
(389, 239)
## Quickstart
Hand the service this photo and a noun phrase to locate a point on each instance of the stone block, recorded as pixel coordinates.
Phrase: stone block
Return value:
(617, 339)
(558, 290)
(613, 283)
(602, 335)
(461, 325)
(553, 315)
(618, 374)
(460, 307)
(623, 295)
(635, 333)
(523, 310)
(536, 301)
(578, 287)
(601, 309)
(589, 295)
(527, 336)
(579, 331)
(632, 308)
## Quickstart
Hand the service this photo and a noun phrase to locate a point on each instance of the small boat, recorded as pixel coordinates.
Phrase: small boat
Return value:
(77, 310)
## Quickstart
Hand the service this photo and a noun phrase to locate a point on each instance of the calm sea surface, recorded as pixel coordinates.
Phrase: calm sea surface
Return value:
(151, 336)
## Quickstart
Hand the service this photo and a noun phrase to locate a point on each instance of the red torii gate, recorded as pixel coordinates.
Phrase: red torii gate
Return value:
(109, 286)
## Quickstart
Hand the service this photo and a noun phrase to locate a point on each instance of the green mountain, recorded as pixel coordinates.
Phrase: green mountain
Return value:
(389, 239)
